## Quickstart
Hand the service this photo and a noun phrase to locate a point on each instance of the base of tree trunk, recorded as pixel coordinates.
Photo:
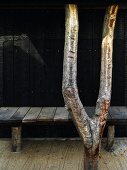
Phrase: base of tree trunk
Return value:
(91, 159)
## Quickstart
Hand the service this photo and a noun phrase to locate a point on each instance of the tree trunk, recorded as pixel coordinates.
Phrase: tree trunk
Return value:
(91, 159)
(90, 130)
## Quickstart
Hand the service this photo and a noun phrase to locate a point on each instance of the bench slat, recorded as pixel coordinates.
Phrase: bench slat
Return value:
(90, 110)
(61, 114)
(47, 114)
(32, 114)
(6, 113)
(109, 115)
(119, 113)
(19, 114)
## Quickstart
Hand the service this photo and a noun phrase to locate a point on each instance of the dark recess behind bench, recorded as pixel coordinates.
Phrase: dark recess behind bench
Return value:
(26, 82)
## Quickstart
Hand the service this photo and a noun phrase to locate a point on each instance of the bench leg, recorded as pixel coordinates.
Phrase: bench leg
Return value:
(16, 139)
(110, 138)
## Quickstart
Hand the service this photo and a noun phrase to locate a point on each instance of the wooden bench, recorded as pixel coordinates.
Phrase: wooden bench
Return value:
(17, 116)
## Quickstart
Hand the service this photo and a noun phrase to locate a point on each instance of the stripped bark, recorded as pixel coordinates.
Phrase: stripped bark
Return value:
(90, 129)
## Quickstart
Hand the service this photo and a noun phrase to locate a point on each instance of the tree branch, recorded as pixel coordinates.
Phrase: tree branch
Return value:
(104, 96)
(69, 86)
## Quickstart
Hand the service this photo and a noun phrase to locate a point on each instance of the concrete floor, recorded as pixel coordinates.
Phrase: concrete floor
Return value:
(59, 155)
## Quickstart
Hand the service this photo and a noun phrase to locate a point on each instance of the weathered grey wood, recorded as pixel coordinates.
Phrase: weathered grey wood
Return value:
(16, 139)
(46, 114)
(32, 114)
(6, 113)
(118, 112)
(109, 115)
(90, 111)
(69, 116)
(110, 137)
(19, 114)
(61, 114)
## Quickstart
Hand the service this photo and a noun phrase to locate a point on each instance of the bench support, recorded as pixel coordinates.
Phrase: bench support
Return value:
(110, 138)
(16, 139)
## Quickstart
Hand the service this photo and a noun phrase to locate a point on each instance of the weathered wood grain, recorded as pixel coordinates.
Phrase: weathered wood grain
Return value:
(61, 114)
(6, 113)
(90, 111)
(32, 114)
(118, 112)
(46, 114)
(19, 114)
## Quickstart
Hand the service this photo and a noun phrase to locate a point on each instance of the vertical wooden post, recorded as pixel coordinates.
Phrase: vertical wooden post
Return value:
(16, 139)
(110, 137)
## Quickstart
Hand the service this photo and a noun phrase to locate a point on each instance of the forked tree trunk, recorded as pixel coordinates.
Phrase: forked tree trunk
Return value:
(90, 129)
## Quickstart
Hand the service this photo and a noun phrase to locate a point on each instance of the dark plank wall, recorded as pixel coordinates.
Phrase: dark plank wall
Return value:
(26, 81)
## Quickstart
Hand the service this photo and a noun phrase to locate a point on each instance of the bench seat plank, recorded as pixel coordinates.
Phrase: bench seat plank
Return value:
(118, 113)
(19, 114)
(61, 114)
(90, 110)
(47, 114)
(32, 114)
(6, 113)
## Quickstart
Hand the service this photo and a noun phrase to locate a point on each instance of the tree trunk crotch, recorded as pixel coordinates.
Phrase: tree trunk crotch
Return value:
(90, 129)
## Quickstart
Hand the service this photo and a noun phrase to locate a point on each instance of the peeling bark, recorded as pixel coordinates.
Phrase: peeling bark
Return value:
(90, 129)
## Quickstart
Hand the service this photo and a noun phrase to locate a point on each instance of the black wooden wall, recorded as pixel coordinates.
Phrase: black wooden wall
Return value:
(26, 81)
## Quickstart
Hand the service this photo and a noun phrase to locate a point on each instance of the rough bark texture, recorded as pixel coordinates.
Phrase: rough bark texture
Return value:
(89, 129)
